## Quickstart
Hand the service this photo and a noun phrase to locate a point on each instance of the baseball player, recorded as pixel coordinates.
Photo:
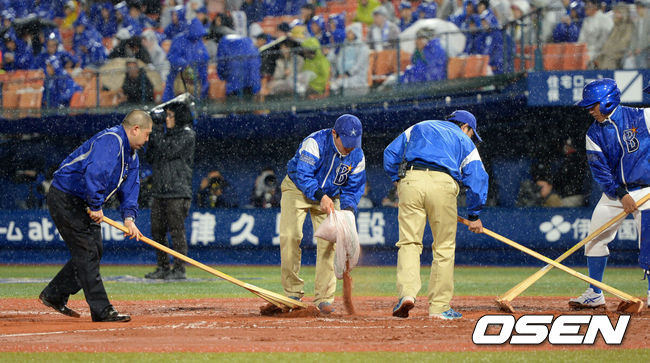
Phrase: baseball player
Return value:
(618, 152)
(103, 166)
(426, 162)
(328, 171)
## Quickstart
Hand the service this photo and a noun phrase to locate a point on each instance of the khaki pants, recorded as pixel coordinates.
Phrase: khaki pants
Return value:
(432, 195)
(294, 207)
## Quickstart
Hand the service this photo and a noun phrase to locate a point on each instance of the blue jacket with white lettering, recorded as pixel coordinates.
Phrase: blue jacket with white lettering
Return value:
(618, 151)
(441, 145)
(100, 167)
(318, 169)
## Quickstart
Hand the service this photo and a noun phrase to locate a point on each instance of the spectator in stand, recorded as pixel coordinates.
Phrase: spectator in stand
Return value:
(84, 29)
(596, 28)
(238, 63)
(152, 8)
(491, 41)
(106, 24)
(458, 16)
(568, 29)
(471, 24)
(202, 15)
(619, 40)
(156, 53)
(121, 14)
(336, 30)
(390, 9)
(178, 24)
(307, 12)
(286, 69)
(638, 55)
(136, 87)
(211, 192)
(365, 10)
(275, 7)
(16, 54)
(7, 16)
(255, 11)
(71, 12)
(58, 86)
(382, 34)
(351, 71)
(571, 175)
(266, 192)
(91, 52)
(523, 28)
(445, 9)
(316, 68)
(406, 18)
(283, 30)
(52, 49)
(426, 10)
(538, 192)
(220, 21)
(191, 7)
(318, 30)
(188, 50)
(429, 60)
(130, 48)
(137, 17)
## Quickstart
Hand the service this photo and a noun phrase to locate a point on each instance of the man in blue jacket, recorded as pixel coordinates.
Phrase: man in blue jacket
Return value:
(426, 163)
(105, 165)
(328, 171)
(618, 152)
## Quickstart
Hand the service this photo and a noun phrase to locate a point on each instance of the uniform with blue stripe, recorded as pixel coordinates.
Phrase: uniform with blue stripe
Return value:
(436, 140)
(102, 166)
(319, 169)
(618, 152)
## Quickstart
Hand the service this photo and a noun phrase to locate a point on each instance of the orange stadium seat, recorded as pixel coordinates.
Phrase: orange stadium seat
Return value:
(575, 57)
(77, 100)
(476, 65)
(217, 89)
(67, 35)
(10, 98)
(30, 99)
(455, 67)
(553, 54)
(109, 98)
(529, 57)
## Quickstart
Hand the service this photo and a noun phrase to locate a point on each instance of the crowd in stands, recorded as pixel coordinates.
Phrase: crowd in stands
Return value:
(310, 47)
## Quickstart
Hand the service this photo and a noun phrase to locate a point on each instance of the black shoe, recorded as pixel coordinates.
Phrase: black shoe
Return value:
(160, 273)
(176, 274)
(60, 307)
(111, 315)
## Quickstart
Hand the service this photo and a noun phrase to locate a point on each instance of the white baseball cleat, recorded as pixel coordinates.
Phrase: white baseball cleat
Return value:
(588, 299)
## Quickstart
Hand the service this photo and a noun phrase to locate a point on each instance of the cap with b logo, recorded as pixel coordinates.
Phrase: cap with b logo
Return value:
(348, 127)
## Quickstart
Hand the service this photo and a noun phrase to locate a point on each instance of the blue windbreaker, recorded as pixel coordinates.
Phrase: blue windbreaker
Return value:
(618, 151)
(187, 49)
(102, 166)
(318, 169)
(441, 144)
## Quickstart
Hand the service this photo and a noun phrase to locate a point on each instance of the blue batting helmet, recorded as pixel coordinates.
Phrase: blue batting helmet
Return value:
(603, 91)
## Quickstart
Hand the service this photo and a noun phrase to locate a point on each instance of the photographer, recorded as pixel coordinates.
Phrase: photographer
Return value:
(171, 155)
(266, 193)
(211, 192)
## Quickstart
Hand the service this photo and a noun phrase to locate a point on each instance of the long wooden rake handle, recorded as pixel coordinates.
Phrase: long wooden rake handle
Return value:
(620, 294)
(276, 299)
(522, 286)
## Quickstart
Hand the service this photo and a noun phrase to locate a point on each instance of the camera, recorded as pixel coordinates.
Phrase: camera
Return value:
(183, 106)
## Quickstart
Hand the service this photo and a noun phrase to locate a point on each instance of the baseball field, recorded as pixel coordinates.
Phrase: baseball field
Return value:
(205, 318)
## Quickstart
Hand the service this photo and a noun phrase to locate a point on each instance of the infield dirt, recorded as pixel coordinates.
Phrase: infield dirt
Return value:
(235, 325)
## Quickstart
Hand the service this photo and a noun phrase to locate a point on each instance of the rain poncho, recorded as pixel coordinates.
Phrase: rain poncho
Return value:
(187, 49)
(106, 27)
(254, 10)
(352, 61)
(180, 26)
(157, 54)
(58, 87)
(491, 42)
(62, 56)
(238, 63)
(364, 13)
(91, 52)
(23, 57)
(430, 64)
(89, 31)
(318, 64)
(595, 31)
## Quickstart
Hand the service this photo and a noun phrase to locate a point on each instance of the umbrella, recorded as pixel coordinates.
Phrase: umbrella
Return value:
(454, 43)
(112, 74)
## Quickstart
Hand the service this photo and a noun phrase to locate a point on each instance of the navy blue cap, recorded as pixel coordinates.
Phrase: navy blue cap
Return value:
(348, 127)
(465, 117)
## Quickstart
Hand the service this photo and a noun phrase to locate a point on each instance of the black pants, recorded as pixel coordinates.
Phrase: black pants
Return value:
(84, 240)
(168, 215)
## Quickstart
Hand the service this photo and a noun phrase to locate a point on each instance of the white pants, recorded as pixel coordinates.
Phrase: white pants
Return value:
(606, 209)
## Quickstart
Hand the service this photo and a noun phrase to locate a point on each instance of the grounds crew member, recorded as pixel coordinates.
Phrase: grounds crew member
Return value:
(328, 171)
(427, 161)
(171, 155)
(618, 152)
(105, 165)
